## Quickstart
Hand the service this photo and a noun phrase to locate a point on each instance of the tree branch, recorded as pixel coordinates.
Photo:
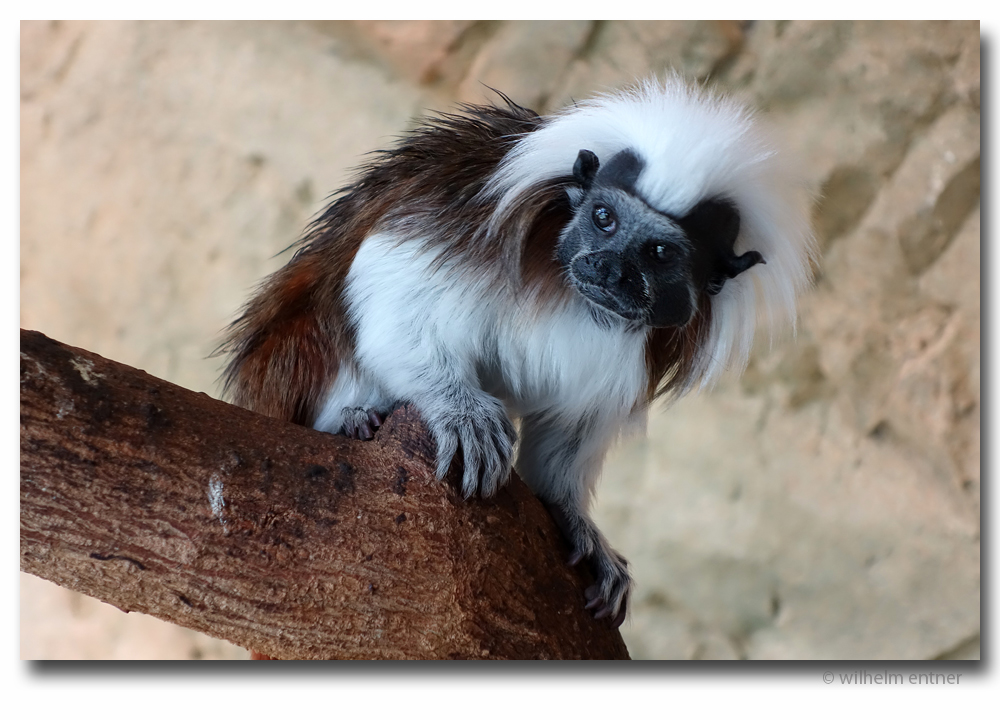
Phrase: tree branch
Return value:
(292, 542)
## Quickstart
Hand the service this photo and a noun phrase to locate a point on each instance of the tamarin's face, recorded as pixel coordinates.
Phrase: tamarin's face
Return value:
(638, 263)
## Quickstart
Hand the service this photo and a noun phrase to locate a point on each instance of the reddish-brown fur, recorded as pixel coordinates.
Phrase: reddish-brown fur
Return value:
(282, 356)
(671, 352)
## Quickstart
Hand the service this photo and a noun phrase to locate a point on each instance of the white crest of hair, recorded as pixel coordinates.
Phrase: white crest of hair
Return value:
(695, 145)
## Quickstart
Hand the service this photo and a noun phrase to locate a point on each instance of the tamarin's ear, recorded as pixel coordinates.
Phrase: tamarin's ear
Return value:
(585, 168)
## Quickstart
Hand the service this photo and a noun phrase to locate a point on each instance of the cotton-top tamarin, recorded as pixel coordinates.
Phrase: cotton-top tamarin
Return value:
(563, 270)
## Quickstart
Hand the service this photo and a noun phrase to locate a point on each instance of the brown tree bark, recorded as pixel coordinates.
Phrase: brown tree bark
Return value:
(294, 543)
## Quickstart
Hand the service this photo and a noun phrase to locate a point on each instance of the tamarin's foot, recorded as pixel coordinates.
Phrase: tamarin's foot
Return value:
(609, 596)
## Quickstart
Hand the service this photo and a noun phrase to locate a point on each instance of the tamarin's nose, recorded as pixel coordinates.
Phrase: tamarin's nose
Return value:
(602, 268)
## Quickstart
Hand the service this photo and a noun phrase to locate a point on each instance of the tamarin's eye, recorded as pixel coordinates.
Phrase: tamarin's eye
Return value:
(663, 253)
(604, 219)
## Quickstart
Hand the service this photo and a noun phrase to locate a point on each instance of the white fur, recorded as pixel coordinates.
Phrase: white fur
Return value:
(411, 315)
(422, 331)
(696, 145)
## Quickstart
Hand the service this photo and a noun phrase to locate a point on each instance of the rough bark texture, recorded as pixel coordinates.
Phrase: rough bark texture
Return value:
(278, 538)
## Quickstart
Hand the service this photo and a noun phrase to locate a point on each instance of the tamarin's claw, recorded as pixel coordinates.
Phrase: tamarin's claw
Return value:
(609, 597)
(601, 609)
(361, 423)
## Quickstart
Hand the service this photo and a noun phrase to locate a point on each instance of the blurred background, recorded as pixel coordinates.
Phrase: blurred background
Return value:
(826, 504)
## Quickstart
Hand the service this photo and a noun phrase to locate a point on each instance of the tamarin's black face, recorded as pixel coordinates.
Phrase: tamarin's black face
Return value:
(638, 263)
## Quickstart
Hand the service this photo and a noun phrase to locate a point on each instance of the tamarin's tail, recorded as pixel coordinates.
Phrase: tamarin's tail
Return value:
(285, 348)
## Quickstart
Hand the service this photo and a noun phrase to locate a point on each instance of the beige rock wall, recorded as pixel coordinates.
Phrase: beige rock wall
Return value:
(824, 505)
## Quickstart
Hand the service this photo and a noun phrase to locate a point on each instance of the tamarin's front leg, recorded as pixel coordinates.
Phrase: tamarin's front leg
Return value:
(418, 334)
(560, 461)
(459, 415)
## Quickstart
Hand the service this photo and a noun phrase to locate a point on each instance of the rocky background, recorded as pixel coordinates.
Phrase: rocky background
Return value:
(823, 505)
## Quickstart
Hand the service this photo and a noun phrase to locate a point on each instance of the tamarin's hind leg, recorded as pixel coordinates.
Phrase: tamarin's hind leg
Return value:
(560, 460)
